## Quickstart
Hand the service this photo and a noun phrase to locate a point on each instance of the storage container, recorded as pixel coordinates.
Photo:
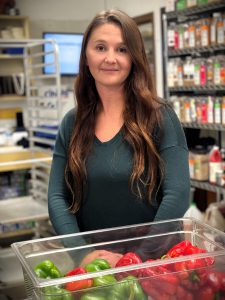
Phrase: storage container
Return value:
(156, 276)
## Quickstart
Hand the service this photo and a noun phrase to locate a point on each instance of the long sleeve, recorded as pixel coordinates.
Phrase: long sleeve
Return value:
(176, 181)
(175, 188)
(63, 221)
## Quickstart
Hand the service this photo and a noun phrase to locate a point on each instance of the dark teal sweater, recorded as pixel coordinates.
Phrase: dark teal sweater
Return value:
(109, 201)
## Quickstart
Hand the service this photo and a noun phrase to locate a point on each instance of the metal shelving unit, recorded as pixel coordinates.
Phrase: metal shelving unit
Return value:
(207, 89)
(43, 118)
(211, 7)
(219, 127)
(195, 51)
(179, 17)
(204, 185)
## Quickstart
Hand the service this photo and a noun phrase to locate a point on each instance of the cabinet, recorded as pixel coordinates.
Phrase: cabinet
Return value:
(14, 27)
(11, 60)
(194, 70)
(12, 79)
(23, 217)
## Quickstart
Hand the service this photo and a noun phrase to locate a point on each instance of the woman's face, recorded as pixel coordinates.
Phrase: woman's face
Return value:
(107, 56)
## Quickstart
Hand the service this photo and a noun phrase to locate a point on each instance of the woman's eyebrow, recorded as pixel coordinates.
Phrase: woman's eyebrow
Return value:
(104, 41)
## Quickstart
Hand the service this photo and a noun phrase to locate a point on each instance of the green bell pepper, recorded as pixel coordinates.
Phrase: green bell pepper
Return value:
(97, 265)
(56, 293)
(104, 280)
(97, 295)
(47, 269)
(128, 288)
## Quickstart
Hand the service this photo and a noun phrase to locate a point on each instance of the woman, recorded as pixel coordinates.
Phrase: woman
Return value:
(121, 157)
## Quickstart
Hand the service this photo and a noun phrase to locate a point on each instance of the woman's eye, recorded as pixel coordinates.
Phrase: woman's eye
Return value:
(100, 48)
(122, 49)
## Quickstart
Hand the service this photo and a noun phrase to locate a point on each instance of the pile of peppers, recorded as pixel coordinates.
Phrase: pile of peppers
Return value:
(193, 279)
(48, 270)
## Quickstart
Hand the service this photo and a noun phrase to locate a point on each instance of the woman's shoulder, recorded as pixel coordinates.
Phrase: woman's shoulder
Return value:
(67, 123)
(168, 114)
(69, 118)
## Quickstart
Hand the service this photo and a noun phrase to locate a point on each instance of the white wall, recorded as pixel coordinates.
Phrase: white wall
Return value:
(74, 15)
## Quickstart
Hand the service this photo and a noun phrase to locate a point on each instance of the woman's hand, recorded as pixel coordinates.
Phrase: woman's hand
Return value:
(111, 257)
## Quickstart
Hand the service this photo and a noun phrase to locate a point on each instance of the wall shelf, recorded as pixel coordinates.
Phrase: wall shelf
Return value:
(201, 89)
(179, 19)
(195, 51)
(219, 127)
(196, 10)
(11, 56)
(204, 185)
(20, 160)
(12, 98)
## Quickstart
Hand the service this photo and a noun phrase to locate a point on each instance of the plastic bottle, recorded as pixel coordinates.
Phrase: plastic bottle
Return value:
(193, 113)
(205, 33)
(213, 29)
(194, 212)
(191, 3)
(191, 162)
(210, 71)
(223, 110)
(180, 72)
(170, 36)
(181, 36)
(210, 111)
(217, 111)
(220, 30)
(191, 30)
(197, 72)
(216, 73)
(187, 110)
(203, 73)
(215, 163)
(204, 117)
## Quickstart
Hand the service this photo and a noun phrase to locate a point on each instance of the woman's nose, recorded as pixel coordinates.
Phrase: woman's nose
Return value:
(110, 57)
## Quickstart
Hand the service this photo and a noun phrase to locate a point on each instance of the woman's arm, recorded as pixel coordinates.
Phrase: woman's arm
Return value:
(176, 184)
(63, 221)
(176, 181)
(174, 192)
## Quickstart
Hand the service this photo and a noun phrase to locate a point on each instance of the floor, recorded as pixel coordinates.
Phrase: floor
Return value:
(15, 293)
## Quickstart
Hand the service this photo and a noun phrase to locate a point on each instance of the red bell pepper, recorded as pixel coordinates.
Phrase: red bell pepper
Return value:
(222, 282)
(181, 268)
(160, 278)
(186, 248)
(79, 284)
(183, 294)
(205, 293)
(130, 258)
(153, 291)
(214, 279)
(178, 249)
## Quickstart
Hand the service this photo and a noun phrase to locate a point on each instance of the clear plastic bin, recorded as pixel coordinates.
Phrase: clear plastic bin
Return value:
(182, 277)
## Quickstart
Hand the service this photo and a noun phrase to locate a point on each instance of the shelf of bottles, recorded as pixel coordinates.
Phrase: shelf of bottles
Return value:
(219, 127)
(196, 10)
(204, 185)
(195, 62)
(195, 51)
(203, 89)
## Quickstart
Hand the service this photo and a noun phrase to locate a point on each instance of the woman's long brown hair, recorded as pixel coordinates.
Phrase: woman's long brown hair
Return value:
(141, 115)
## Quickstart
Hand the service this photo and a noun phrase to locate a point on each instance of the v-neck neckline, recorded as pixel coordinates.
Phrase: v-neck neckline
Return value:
(112, 140)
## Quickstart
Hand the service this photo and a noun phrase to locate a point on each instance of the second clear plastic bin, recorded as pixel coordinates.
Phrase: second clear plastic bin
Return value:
(156, 276)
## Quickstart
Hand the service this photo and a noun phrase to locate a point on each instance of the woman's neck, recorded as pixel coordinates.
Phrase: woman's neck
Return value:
(112, 101)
